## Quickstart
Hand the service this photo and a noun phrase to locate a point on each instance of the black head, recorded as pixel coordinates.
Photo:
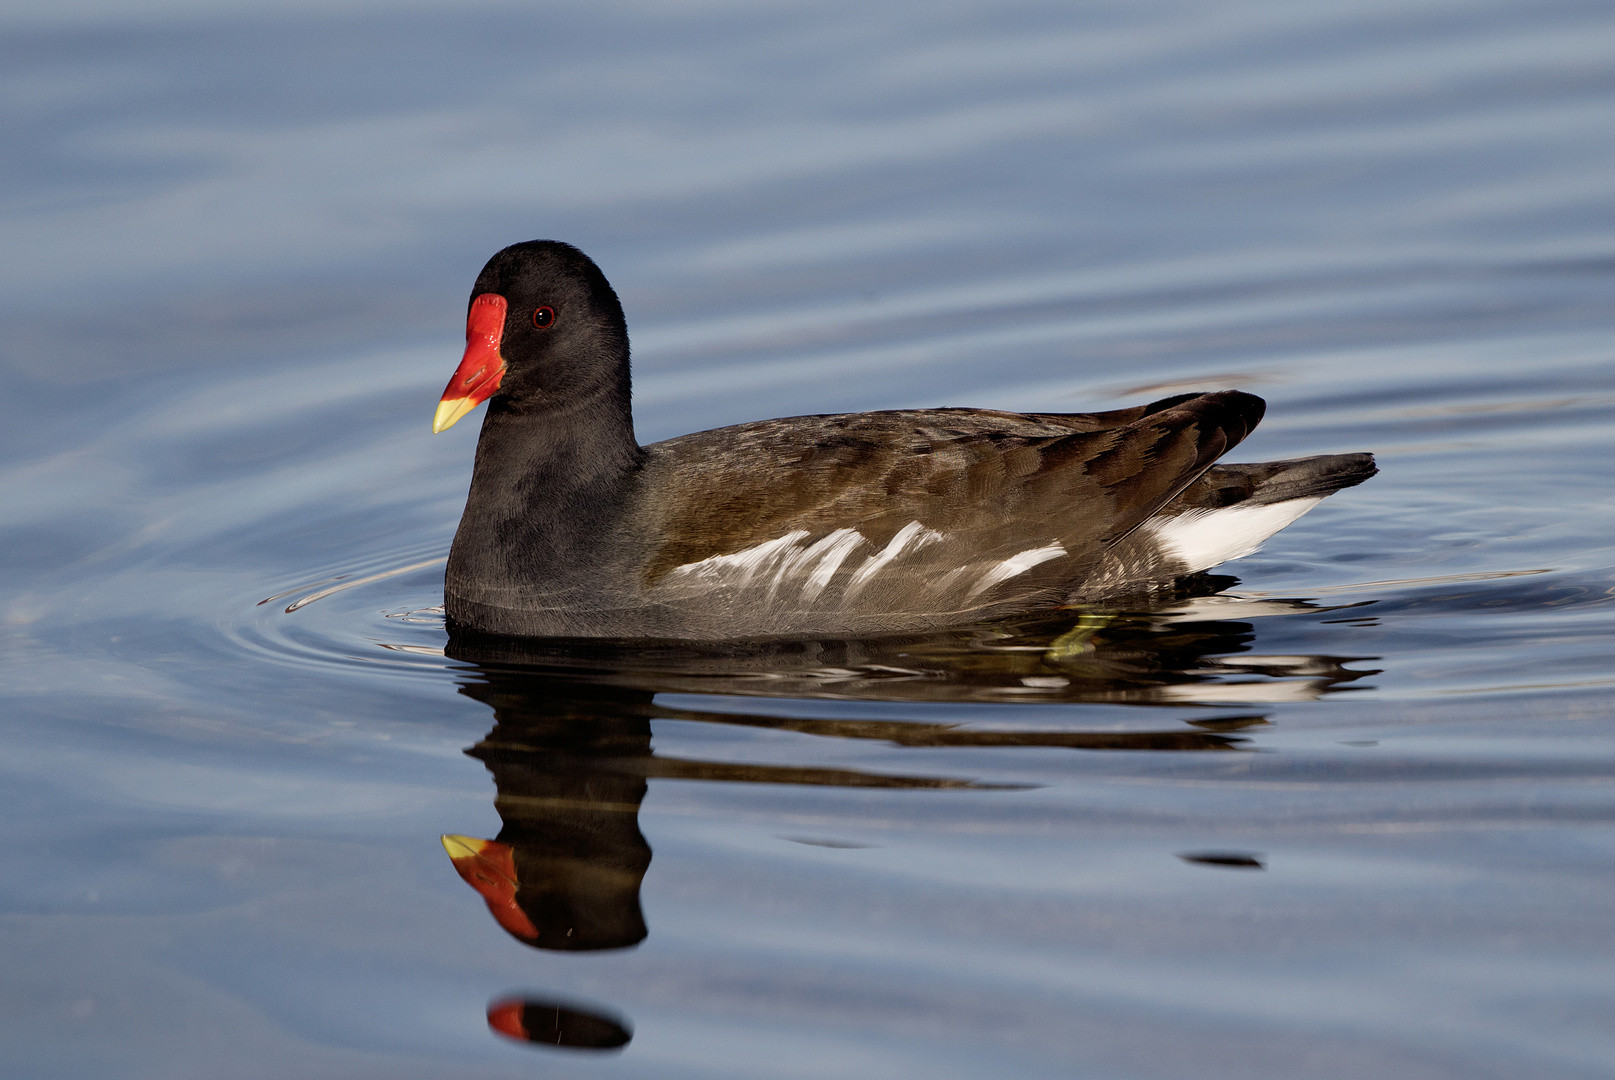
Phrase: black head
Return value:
(565, 341)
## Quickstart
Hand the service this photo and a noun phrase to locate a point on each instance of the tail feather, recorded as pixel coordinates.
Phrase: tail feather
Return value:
(1231, 510)
(1272, 482)
(1226, 513)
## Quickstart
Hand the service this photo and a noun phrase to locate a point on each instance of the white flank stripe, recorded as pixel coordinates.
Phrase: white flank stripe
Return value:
(798, 560)
(913, 533)
(832, 551)
(738, 569)
(1015, 564)
(778, 563)
(1205, 538)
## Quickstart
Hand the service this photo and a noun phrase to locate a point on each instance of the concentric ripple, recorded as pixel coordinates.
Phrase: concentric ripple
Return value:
(383, 611)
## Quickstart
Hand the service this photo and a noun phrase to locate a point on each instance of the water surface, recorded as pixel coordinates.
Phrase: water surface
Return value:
(1342, 808)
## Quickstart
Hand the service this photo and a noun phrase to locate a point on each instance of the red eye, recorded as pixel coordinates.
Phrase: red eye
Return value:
(544, 318)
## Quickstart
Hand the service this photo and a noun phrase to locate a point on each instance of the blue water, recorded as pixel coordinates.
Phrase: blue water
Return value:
(1344, 810)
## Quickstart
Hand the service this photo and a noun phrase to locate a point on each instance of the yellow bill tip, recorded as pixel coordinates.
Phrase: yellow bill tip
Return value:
(462, 847)
(449, 412)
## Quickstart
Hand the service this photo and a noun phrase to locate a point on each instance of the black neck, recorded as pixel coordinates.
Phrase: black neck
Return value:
(546, 490)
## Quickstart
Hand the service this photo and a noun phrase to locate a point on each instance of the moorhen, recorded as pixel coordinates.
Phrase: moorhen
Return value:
(841, 525)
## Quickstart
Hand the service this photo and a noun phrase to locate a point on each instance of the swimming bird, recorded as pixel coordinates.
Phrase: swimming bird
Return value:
(835, 525)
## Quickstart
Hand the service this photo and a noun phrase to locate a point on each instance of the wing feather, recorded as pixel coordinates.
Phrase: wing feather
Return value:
(993, 484)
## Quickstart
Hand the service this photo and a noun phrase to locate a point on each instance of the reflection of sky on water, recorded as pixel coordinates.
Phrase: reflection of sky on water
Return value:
(237, 243)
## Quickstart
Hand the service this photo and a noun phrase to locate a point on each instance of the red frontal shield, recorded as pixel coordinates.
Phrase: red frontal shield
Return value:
(480, 370)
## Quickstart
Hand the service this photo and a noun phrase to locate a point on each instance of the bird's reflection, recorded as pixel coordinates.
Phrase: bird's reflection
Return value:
(570, 750)
(565, 869)
(1190, 649)
(551, 1023)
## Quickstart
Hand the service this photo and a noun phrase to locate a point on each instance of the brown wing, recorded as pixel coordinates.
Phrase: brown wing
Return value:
(993, 482)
